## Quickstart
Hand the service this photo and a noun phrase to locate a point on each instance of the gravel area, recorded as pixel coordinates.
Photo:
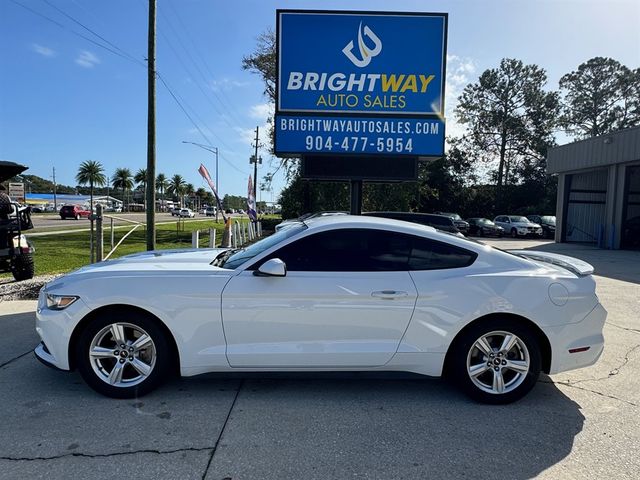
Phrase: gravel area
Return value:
(25, 290)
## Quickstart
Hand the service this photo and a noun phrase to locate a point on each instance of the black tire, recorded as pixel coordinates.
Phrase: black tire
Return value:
(461, 350)
(160, 371)
(22, 267)
(514, 233)
(481, 232)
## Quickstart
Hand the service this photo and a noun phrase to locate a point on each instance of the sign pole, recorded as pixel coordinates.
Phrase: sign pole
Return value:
(356, 197)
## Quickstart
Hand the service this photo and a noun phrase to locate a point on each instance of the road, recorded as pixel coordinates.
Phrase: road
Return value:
(581, 424)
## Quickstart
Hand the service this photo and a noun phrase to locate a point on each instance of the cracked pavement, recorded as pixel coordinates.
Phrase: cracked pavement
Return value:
(579, 424)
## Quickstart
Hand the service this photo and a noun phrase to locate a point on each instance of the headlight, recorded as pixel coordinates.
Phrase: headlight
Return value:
(59, 302)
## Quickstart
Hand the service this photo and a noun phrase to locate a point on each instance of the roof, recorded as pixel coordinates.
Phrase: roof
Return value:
(602, 151)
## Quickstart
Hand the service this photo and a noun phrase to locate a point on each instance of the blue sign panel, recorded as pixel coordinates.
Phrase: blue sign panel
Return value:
(361, 63)
(342, 135)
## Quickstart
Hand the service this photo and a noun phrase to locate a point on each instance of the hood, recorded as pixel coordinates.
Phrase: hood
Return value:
(525, 224)
(159, 261)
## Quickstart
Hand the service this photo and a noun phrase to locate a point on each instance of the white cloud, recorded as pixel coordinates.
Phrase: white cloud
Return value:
(87, 59)
(42, 50)
(261, 111)
(460, 72)
(226, 84)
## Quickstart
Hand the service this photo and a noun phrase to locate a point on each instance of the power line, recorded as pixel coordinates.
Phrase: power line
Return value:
(224, 98)
(182, 107)
(125, 55)
(91, 31)
(202, 75)
(64, 27)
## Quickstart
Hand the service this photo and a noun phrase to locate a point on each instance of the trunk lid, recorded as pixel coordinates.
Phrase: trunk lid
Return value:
(574, 265)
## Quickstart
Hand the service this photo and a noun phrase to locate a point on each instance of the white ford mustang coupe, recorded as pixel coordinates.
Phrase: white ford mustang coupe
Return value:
(337, 293)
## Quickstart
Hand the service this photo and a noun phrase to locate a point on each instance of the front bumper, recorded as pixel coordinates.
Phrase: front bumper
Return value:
(586, 333)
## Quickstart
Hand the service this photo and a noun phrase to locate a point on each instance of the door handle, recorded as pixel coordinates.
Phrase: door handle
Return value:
(389, 294)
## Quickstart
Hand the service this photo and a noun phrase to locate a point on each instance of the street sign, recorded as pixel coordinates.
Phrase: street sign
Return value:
(16, 192)
(359, 136)
(360, 83)
(361, 62)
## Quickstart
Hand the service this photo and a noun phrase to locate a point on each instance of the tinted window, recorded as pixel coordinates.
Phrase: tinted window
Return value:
(369, 250)
(347, 250)
(430, 255)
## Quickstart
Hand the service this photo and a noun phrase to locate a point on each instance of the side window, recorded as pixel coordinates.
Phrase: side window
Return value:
(347, 250)
(431, 255)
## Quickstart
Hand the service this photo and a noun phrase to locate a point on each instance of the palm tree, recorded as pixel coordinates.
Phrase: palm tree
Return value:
(122, 179)
(141, 179)
(201, 193)
(189, 190)
(91, 172)
(161, 184)
(176, 187)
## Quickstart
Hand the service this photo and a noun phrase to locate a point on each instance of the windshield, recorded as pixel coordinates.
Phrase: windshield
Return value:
(237, 257)
(516, 219)
(485, 221)
(548, 219)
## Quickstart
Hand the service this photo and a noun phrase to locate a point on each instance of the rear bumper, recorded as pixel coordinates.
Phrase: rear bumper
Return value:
(580, 335)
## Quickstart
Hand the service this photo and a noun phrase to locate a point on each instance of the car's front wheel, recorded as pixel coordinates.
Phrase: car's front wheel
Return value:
(496, 362)
(123, 354)
(514, 233)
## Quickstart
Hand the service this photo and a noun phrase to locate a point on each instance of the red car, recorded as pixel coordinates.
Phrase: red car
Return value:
(73, 211)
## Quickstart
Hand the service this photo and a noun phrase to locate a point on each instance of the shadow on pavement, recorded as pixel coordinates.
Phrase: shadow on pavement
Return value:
(377, 428)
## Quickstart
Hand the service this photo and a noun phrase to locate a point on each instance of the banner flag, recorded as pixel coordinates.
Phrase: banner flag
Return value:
(205, 174)
(251, 202)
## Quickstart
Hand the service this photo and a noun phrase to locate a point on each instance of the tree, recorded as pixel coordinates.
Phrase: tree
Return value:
(161, 184)
(123, 180)
(141, 179)
(509, 118)
(91, 172)
(601, 96)
(263, 62)
(176, 187)
(189, 190)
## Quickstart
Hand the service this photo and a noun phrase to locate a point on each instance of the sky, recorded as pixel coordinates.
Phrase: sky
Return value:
(64, 99)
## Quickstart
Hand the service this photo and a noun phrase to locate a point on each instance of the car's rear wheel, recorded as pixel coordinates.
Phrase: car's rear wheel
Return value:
(496, 362)
(123, 354)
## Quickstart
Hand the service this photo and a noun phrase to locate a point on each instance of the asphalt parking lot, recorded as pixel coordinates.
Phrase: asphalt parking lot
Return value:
(581, 424)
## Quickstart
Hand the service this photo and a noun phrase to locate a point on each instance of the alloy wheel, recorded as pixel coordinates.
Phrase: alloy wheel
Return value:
(122, 354)
(498, 362)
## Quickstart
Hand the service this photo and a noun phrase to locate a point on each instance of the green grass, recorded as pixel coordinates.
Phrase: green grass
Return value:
(69, 251)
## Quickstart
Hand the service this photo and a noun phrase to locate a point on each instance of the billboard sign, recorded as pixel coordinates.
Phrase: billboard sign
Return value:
(361, 62)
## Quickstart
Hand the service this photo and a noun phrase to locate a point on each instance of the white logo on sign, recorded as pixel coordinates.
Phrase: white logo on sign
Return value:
(366, 53)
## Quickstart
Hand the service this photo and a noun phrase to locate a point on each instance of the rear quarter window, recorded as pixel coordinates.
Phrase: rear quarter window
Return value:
(431, 255)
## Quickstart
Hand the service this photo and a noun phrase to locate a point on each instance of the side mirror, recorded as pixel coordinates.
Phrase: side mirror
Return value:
(272, 268)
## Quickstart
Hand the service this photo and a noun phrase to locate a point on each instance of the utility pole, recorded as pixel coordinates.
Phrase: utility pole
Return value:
(151, 130)
(255, 161)
(55, 202)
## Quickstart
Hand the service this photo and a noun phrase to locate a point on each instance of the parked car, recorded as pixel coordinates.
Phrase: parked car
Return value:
(307, 216)
(210, 212)
(457, 221)
(547, 222)
(333, 293)
(186, 213)
(175, 211)
(518, 226)
(484, 227)
(440, 222)
(73, 211)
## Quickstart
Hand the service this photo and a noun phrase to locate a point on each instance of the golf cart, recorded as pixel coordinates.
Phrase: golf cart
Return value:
(16, 253)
